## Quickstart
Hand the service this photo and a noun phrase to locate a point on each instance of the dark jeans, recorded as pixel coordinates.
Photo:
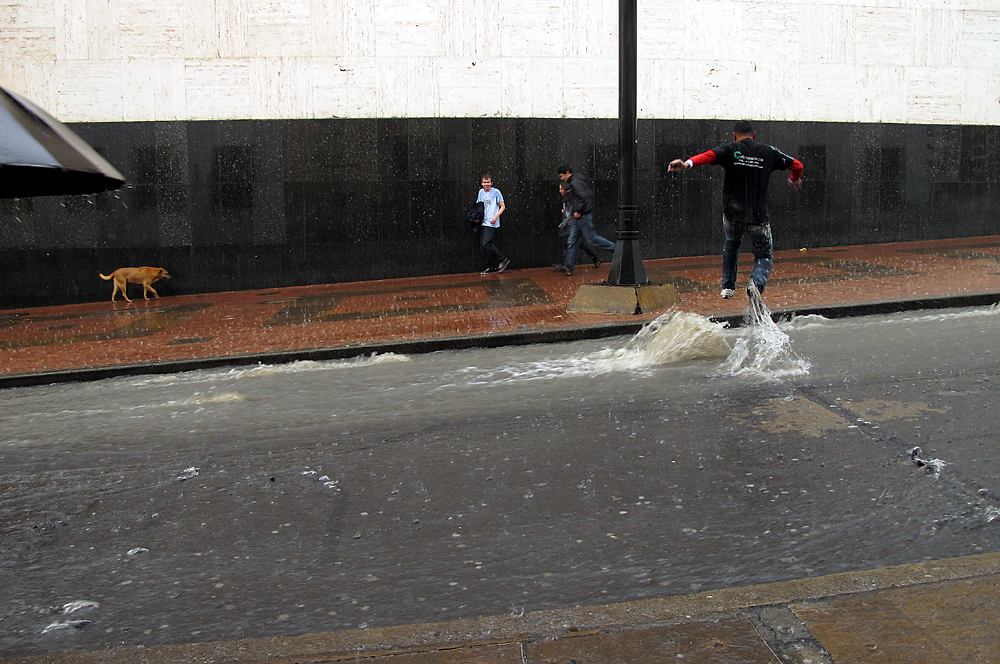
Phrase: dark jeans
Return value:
(584, 227)
(491, 253)
(760, 237)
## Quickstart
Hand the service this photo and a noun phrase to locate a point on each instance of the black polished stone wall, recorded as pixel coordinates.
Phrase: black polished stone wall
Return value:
(231, 205)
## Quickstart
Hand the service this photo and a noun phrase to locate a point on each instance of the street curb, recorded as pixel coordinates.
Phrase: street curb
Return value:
(539, 625)
(492, 340)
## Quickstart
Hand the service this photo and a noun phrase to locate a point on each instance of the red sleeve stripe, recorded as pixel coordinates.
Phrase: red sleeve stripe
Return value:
(795, 170)
(703, 159)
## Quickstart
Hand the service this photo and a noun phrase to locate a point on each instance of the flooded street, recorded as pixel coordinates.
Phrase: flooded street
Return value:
(315, 496)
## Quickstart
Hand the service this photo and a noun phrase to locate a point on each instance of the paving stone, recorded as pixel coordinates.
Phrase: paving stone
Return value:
(732, 641)
(952, 622)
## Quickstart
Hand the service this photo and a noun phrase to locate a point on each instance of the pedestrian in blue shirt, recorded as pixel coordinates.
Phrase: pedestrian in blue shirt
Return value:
(493, 207)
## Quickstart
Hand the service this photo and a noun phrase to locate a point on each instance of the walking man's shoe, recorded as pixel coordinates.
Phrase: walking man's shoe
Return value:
(727, 293)
(567, 270)
(503, 265)
(597, 261)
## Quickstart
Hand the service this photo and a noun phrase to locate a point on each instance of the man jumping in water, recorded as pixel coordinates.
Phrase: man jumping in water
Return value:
(748, 166)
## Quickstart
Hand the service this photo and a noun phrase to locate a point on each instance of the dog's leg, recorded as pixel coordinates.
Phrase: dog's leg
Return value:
(122, 287)
(154, 291)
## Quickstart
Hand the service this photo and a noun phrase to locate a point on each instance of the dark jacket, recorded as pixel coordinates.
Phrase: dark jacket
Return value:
(580, 196)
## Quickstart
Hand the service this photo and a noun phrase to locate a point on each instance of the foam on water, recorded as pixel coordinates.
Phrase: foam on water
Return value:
(676, 337)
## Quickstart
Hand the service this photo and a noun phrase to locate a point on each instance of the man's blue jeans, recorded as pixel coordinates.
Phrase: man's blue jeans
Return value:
(760, 237)
(584, 225)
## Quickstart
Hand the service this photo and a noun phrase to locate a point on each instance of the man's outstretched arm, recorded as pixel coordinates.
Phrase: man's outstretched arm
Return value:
(703, 159)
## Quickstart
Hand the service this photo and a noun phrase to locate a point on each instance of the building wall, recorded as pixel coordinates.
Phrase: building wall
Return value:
(311, 141)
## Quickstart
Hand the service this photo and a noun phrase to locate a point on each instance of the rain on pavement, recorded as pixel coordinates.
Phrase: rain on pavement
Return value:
(316, 496)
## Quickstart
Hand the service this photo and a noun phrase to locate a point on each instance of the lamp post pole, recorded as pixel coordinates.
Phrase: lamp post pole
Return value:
(626, 266)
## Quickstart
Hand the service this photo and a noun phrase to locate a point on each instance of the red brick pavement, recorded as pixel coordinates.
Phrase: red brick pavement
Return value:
(233, 324)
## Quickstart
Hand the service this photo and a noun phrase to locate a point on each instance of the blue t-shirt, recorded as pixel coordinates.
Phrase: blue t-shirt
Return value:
(491, 203)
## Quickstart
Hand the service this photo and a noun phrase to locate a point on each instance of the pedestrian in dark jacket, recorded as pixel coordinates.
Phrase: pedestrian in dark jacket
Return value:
(581, 205)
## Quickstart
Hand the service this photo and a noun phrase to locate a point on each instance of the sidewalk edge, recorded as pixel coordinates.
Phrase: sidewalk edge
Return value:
(539, 625)
(433, 344)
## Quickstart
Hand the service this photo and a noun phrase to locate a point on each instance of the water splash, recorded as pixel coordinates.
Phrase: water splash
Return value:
(764, 351)
(674, 337)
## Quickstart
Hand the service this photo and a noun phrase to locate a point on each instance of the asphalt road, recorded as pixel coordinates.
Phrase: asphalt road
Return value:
(320, 496)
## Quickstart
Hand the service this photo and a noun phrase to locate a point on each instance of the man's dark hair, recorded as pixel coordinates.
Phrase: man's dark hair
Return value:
(486, 176)
(565, 168)
(743, 128)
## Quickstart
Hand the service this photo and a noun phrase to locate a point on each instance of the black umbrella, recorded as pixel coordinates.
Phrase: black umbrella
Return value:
(40, 156)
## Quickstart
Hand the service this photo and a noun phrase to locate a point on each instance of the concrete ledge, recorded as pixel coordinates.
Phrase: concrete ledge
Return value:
(536, 626)
(623, 300)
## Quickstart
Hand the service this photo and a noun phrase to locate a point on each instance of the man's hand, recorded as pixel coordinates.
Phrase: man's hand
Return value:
(576, 214)
(795, 184)
(677, 166)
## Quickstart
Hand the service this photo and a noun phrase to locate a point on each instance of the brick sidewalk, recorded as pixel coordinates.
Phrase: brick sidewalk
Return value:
(100, 339)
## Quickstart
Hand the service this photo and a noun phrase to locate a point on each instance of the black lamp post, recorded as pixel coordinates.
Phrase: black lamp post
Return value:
(626, 266)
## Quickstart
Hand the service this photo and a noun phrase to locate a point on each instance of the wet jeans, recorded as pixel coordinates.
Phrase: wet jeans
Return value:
(760, 237)
(584, 226)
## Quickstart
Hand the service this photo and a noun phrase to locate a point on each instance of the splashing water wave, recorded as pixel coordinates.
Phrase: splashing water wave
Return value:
(763, 351)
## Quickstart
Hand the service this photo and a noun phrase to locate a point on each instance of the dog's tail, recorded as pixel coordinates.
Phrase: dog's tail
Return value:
(107, 278)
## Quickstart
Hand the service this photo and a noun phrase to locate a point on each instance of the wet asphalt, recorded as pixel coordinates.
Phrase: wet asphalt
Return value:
(278, 501)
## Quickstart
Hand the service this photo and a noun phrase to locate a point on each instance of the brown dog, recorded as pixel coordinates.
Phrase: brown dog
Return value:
(136, 275)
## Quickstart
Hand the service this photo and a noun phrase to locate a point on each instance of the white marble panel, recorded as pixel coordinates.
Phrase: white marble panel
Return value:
(776, 32)
(714, 30)
(470, 90)
(981, 39)
(34, 79)
(391, 76)
(591, 29)
(713, 88)
(532, 28)
(884, 36)
(471, 29)
(327, 23)
(28, 43)
(71, 29)
(102, 30)
(359, 28)
(151, 29)
(343, 87)
(153, 89)
(938, 38)
(661, 30)
(660, 85)
(881, 94)
(533, 87)
(827, 34)
(934, 94)
(88, 91)
(280, 88)
(279, 29)
(594, 95)
(422, 92)
(771, 91)
(826, 92)
(27, 14)
(407, 28)
(200, 34)
(217, 89)
(981, 99)
(232, 21)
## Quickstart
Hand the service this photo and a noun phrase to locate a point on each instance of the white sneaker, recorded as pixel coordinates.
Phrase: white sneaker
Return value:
(727, 293)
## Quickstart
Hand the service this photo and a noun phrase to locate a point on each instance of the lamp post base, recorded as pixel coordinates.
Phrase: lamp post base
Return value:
(611, 299)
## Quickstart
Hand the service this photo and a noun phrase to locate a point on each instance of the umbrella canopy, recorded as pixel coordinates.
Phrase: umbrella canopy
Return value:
(40, 156)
